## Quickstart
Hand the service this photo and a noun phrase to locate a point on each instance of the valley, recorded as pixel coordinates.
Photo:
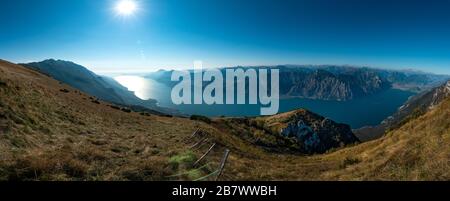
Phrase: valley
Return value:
(374, 93)
(52, 131)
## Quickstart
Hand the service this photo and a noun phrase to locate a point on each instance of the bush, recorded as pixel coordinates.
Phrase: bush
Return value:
(349, 161)
(3, 84)
(201, 118)
(126, 110)
(185, 159)
(114, 107)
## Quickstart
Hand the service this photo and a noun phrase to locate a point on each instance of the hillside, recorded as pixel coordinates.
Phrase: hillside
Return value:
(414, 107)
(298, 131)
(418, 150)
(81, 78)
(50, 131)
(328, 82)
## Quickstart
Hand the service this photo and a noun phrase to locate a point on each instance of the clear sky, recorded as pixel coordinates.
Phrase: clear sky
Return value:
(174, 33)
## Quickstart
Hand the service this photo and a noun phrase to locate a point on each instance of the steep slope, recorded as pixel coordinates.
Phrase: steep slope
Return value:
(329, 82)
(301, 131)
(50, 131)
(414, 107)
(77, 76)
(86, 81)
(419, 104)
(409, 80)
(418, 150)
(314, 83)
(296, 132)
(324, 85)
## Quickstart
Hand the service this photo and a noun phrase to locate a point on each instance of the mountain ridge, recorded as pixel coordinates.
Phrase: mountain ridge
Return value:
(47, 133)
(341, 83)
(414, 107)
(87, 81)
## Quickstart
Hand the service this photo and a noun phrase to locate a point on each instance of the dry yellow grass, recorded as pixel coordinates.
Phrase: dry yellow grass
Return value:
(43, 130)
(48, 133)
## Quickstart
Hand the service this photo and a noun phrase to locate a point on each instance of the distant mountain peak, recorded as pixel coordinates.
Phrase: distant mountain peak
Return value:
(60, 62)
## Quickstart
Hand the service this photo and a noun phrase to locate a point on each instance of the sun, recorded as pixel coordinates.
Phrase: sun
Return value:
(126, 7)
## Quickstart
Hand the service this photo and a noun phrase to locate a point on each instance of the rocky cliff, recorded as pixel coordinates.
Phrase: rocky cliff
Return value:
(298, 131)
(414, 107)
(340, 83)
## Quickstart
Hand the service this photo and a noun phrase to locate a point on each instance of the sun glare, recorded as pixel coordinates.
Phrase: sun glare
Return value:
(140, 86)
(126, 7)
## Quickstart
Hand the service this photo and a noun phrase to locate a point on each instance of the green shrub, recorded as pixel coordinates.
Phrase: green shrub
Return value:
(3, 84)
(201, 118)
(349, 161)
(115, 107)
(64, 90)
(126, 110)
(185, 159)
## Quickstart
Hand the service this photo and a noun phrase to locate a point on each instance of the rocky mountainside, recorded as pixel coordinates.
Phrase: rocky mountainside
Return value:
(77, 76)
(414, 107)
(420, 104)
(337, 82)
(51, 131)
(325, 85)
(81, 78)
(315, 133)
(409, 80)
(299, 131)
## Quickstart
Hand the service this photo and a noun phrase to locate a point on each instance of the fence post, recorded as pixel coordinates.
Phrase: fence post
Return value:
(199, 142)
(222, 165)
(204, 155)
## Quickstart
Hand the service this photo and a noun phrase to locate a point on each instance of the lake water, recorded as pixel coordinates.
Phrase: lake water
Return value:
(370, 110)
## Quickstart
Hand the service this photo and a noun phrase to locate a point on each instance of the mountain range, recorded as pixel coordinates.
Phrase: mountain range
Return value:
(102, 87)
(340, 83)
(52, 131)
(323, 82)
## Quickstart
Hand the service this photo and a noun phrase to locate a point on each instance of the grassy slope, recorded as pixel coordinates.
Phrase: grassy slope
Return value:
(419, 150)
(47, 134)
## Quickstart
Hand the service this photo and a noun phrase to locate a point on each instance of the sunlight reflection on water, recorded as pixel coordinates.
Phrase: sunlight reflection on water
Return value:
(369, 110)
(141, 87)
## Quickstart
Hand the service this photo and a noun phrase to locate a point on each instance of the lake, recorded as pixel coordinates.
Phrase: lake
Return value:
(370, 110)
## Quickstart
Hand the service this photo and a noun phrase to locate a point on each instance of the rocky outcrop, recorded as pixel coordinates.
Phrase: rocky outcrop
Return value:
(313, 132)
(440, 94)
(419, 104)
(303, 133)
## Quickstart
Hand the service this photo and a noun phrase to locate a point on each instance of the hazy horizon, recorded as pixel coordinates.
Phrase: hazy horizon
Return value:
(138, 71)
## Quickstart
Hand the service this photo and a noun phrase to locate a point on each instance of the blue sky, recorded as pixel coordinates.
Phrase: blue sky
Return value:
(174, 33)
